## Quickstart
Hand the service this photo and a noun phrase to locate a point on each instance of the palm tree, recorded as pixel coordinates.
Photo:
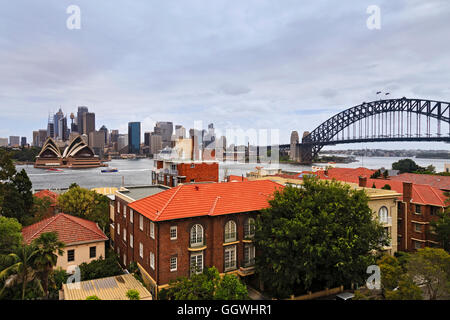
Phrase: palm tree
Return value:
(21, 269)
(48, 248)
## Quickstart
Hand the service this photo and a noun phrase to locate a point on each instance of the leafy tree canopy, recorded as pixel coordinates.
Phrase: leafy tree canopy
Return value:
(10, 235)
(316, 236)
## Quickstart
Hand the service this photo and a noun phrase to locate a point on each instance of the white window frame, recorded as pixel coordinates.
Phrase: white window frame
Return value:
(249, 228)
(124, 234)
(131, 240)
(196, 256)
(141, 250)
(230, 230)
(118, 228)
(141, 222)
(383, 214)
(124, 212)
(152, 230)
(118, 206)
(131, 215)
(173, 263)
(196, 235)
(173, 229)
(231, 251)
(152, 260)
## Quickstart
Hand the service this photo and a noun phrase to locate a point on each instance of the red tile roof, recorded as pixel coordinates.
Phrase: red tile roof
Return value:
(49, 194)
(440, 182)
(70, 229)
(193, 200)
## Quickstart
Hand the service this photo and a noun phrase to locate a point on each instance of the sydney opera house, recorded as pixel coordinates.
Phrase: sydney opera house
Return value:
(76, 155)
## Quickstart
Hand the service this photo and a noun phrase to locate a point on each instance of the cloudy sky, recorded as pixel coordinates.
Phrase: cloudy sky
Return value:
(281, 64)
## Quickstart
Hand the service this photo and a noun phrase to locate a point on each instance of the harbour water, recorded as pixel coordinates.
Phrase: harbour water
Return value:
(138, 172)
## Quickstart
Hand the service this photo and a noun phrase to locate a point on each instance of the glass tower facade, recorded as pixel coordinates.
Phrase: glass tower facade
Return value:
(134, 137)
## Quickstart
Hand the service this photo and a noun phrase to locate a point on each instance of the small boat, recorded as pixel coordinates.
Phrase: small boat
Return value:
(110, 170)
(53, 169)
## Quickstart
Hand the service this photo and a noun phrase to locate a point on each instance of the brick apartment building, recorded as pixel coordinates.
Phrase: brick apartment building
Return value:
(180, 231)
(171, 173)
(417, 207)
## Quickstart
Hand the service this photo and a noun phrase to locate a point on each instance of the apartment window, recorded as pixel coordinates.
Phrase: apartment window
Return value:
(192, 180)
(230, 231)
(124, 259)
(124, 212)
(230, 258)
(124, 234)
(173, 232)
(70, 255)
(417, 227)
(417, 245)
(197, 235)
(131, 240)
(173, 264)
(118, 207)
(131, 215)
(418, 209)
(249, 255)
(92, 252)
(249, 228)
(175, 181)
(152, 260)
(118, 228)
(196, 263)
(173, 167)
(152, 230)
(192, 165)
(383, 214)
(141, 250)
(141, 222)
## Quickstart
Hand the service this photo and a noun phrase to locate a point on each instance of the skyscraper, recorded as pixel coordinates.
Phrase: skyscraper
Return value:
(134, 137)
(165, 130)
(147, 139)
(80, 118)
(14, 141)
(56, 120)
(23, 141)
(35, 138)
(88, 123)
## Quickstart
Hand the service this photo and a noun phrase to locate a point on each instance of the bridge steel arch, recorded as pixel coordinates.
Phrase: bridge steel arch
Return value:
(324, 134)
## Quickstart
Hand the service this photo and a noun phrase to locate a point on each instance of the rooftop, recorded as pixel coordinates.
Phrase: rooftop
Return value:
(53, 196)
(70, 229)
(111, 288)
(440, 182)
(139, 192)
(211, 199)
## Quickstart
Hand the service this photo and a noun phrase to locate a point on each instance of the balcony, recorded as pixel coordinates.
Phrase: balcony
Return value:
(248, 268)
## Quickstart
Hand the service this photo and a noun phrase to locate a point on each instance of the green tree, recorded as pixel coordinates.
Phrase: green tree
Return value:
(48, 248)
(10, 235)
(431, 268)
(231, 288)
(101, 268)
(376, 174)
(385, 174)
(16, 198)
(406, 290)
(316, 236)
(57, 277)
(197, 287)
(406, 165)
(133, 294)
(21, 269)
(441, 227)
(86, 204)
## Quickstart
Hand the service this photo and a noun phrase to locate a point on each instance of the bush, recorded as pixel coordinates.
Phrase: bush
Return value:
(133, 295)
(101, 268)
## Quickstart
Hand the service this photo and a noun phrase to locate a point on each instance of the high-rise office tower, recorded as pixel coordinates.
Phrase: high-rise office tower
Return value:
(180, 132)
(147, 139)
(43, 134)
(80, 118)
(50, 128)
(104, 130)
(134, 137)
(62, 129)
(165, 130)
(23, 141)
(88, 123)
(114, 136)
(14, 141)
(56, 120)
(35, 138)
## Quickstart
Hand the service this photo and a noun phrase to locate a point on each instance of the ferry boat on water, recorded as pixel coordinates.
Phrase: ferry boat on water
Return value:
(110, 170)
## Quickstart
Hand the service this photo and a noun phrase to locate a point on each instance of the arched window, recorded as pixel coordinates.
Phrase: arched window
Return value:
(230, 231)
(249, 228)
(197, 235)
(383, 214)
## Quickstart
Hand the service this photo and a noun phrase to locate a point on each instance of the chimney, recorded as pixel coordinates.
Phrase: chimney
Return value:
(363, 181)
(407, 191)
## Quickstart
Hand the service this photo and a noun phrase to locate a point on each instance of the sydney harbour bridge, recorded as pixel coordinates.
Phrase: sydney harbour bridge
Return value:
(389, 120)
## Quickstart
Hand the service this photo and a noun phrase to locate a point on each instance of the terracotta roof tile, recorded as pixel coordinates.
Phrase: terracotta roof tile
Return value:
(440, 182)
(192, 200)
(70, 229)
(48, 194)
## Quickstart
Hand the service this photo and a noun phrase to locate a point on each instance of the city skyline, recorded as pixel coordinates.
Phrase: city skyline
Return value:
(253, 64)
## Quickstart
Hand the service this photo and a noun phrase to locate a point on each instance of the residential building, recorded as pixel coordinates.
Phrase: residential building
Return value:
(14, 141)
(3, 142)
(84, 243)
(173, 172)
(180, 231)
